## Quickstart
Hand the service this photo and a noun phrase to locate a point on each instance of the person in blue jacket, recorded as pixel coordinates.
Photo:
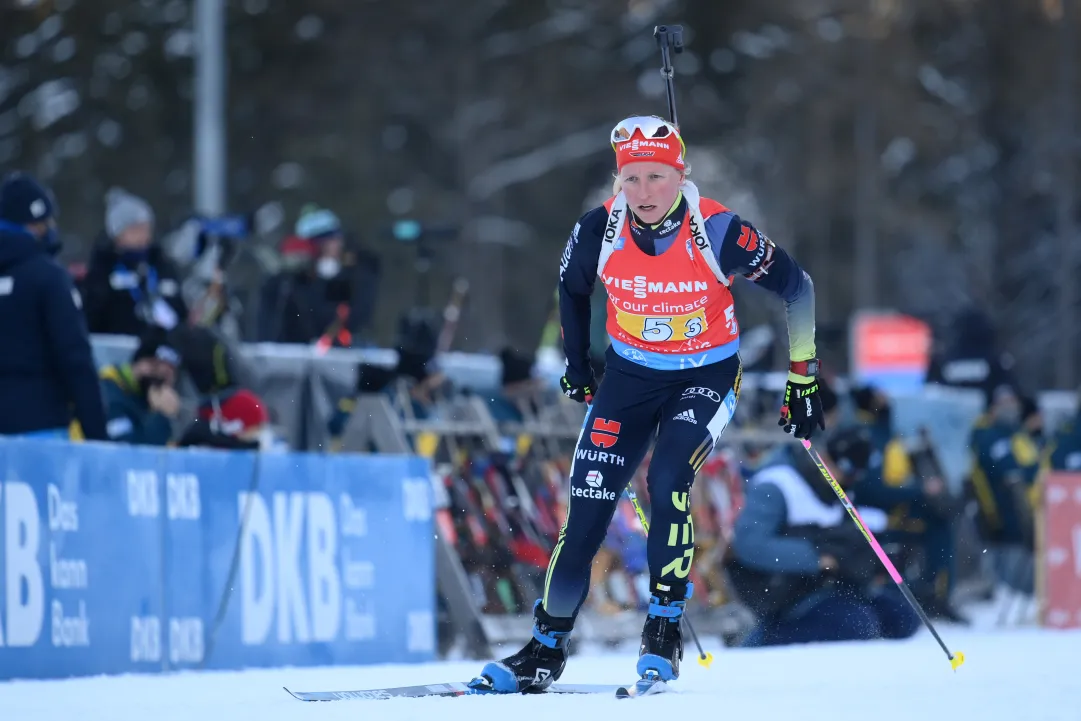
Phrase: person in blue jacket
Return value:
(47, 373)
(1005, 464)
(1064, 450)
(141, 396)
(802, 566)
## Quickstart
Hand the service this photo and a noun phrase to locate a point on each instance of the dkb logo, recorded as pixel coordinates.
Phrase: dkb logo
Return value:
(273, 586)
(24, 586)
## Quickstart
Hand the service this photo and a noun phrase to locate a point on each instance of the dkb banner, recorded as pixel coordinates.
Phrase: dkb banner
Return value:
(118, 559)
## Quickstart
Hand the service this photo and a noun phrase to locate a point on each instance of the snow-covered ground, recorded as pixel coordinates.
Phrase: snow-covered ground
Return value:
(1010, 675)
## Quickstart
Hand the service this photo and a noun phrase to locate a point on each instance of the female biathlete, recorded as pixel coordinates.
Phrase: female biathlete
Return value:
(666, 257)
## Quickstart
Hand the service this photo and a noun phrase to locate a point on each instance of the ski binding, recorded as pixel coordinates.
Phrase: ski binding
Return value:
(647, 686)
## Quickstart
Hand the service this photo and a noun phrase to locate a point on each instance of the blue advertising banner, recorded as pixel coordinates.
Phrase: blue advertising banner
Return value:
(117, 559)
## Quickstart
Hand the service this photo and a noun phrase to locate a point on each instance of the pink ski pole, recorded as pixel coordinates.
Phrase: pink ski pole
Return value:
(956, 659)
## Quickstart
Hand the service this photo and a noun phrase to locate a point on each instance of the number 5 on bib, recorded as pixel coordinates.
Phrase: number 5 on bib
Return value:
(658, 329)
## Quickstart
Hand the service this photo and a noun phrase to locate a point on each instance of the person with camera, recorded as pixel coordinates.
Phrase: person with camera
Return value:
(801, 566)
(141, 398)
(130, 283)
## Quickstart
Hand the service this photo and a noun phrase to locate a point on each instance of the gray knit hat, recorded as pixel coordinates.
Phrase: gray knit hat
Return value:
(123, 210)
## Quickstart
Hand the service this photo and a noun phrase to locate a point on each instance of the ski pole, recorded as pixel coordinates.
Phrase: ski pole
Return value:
(669, 38)
(956, 659)
(704, 658)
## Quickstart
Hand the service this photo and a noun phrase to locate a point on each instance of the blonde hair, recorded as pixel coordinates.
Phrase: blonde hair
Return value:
(617, 184)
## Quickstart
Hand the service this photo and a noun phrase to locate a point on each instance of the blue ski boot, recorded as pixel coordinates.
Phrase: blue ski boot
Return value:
(535, 667)
(662, 635)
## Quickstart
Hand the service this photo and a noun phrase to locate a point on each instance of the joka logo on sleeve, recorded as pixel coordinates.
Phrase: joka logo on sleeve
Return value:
(605, 433)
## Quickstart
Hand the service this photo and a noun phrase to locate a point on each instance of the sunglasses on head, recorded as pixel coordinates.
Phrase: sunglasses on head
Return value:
(650, 126)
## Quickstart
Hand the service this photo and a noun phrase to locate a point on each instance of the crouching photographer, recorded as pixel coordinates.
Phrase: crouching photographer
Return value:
(802, 566)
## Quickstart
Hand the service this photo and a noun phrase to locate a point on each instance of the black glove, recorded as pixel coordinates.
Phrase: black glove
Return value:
(579, 393)
(802, 409)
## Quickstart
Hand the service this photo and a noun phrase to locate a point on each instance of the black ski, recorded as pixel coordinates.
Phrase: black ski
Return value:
(439, 689)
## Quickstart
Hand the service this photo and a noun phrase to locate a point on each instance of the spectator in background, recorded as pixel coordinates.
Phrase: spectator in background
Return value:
(1064, 450)
(1005, 465)
(329, 295)
(47, 372)
(418, 362)
(801, 565)
(236, 420)
(1032, 422)
(207, 254)
(210, 361)
(130, 284)
(296, 256)
(141, 396)
(906, 481)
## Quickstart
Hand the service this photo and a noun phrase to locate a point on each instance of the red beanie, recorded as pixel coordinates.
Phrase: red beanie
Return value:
(668, 151)
(240, 412)
(638, 148)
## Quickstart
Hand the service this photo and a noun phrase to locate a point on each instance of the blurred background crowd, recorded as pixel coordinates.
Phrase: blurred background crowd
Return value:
(375, 270)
